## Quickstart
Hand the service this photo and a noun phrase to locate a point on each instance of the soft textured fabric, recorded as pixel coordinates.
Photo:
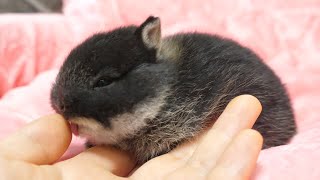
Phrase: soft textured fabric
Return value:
(285, 33)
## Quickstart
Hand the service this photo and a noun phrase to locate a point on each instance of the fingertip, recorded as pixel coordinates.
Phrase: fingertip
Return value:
(244, 110)
(257, 136)
(250, 100)
(43, 141)
(245, 106)
(54, 133)
(60, 126)
(253, 137)
(63, 127)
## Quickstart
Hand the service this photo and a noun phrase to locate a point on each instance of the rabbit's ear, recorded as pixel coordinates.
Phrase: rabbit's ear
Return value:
(150, 32)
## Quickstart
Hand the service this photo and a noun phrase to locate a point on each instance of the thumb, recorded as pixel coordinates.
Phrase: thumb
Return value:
(41, 142)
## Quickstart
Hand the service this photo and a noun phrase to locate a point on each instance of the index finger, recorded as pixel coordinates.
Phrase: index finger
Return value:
(241, 113)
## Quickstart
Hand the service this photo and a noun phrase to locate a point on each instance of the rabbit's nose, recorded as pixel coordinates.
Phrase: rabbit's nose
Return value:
(59, 107)
(64, 105)
(62, 108)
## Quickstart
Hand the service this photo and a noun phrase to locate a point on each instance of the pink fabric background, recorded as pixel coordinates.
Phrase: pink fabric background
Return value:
(286, 33)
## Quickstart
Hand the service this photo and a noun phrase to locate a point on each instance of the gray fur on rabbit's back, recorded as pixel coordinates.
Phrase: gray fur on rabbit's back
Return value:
(210, 71)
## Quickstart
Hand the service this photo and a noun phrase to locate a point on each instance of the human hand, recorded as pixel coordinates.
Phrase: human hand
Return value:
(229, 150)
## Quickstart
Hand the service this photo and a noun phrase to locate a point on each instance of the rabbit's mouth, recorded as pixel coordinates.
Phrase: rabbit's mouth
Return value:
(85, 127)
(74, 129)
(95, 132)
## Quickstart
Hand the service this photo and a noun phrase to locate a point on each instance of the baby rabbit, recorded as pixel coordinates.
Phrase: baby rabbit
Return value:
(145, 94)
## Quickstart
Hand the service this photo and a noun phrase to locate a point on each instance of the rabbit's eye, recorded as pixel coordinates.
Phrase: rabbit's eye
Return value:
(103, 82)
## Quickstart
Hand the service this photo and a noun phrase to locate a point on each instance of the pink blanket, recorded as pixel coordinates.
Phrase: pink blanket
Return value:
(285, 33)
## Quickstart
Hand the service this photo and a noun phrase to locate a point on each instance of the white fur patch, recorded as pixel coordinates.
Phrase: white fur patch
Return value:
(122, 125)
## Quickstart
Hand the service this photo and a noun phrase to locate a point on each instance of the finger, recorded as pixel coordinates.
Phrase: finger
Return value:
(28, 171)
(95, 163)
(239, 160)
(41, 142)
(99, 160)
(14, 169)
(241, 113)
(172, 160)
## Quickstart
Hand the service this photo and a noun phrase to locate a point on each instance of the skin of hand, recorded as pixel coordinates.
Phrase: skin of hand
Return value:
(228, 150)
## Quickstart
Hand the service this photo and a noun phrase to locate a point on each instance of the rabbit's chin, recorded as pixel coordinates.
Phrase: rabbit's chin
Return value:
(97, 134)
